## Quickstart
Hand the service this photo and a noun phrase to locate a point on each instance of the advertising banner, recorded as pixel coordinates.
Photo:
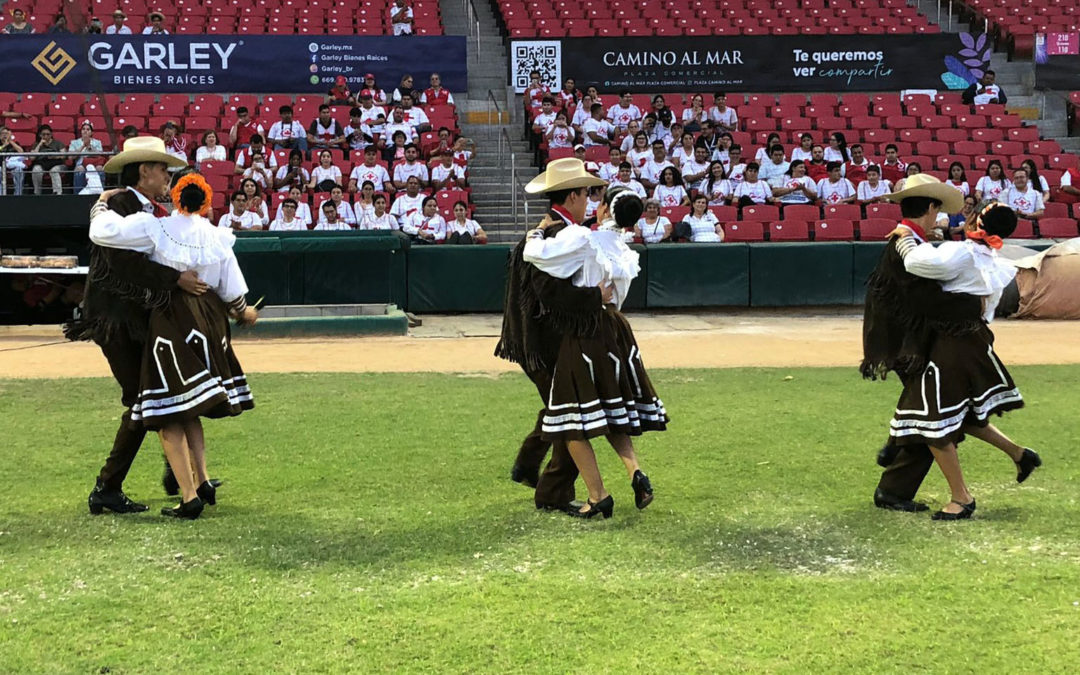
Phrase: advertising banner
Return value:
(1057, 61)
(223, 63)
(818, 63)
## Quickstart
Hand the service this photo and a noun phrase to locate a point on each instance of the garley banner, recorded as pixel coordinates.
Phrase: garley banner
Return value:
(223, 63)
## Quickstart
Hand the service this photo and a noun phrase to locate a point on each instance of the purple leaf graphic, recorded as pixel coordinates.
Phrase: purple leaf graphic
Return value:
(981, 41)
(986, 56)
(973, 62)
(959, 69)
(968, 41)
(968, 52)
(977, 74)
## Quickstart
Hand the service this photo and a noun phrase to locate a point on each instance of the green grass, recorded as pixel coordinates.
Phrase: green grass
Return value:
(367, 524)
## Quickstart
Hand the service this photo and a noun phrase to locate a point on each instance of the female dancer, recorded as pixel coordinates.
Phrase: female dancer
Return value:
(189, 369)
(600, 386)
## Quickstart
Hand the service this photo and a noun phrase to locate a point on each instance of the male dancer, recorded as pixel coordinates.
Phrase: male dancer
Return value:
(538, 308)
(121, 288)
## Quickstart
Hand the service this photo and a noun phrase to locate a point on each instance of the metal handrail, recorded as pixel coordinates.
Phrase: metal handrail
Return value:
(28, 169)
(516, 186)
(473, 23)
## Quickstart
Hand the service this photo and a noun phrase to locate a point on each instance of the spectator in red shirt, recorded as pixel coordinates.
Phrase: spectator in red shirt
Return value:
(240, 134)
(257, 146)
(816, 168)
(536, 91)
(325, 132)
(435, 94)
(855, 170)
(378, 96)
(569, 95)
(339, 94)
(893, 169)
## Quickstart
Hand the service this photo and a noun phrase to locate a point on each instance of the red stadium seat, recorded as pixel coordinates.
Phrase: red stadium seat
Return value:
(1025, 229)
(875, 229)
(834, 229)
(1058, 228)
(801, 212)
(843, 212)
(744, 231)
(789, 230)
(884, 210)
(760, 213)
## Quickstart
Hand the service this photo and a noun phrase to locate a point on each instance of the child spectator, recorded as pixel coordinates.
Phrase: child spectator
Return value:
(874, 188)
(358, 134)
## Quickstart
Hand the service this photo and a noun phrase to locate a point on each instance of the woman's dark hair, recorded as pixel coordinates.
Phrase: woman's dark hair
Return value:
(367, 183)
(712, 178)
(676, 176)
(963, 173)
(841, 143)
(794, 163)
(243, 184)
(428, 199)
(296, 153)
(207, 133)
(999, 165)
(1033, 173)
(1000, 220)
(625, 206)
(192, 198)
(916, 207)
(915, 165)
(462, 205)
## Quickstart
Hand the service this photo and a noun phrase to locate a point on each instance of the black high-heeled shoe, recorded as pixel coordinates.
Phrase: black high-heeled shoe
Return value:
(603, 507)
(208, 493)
(643, 492)
(968, 509)
(186, 511)
(1029, 461)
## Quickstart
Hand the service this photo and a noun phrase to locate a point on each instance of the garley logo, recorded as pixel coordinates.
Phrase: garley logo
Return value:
(53, 63)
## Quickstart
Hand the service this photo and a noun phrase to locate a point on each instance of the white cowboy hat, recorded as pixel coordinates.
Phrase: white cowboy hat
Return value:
(142, 149)
(563, 174)
(925, 185)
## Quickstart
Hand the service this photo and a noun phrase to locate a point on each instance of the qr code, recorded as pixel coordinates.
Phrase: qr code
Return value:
(545, 57)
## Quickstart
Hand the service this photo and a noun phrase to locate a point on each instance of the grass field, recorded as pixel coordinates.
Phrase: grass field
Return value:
(367, 524)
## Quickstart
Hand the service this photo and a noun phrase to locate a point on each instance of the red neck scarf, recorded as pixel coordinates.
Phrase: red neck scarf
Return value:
(914, 228)
(559, 209)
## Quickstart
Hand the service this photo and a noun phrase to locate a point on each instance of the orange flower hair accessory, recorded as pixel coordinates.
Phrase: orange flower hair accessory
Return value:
(200, 182)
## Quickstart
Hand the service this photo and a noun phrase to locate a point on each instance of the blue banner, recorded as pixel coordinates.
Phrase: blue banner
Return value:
(201, 64)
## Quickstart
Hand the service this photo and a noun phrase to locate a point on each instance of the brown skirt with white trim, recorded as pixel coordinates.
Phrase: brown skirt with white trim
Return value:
(600, 386)
(189, 368)
(963, 384)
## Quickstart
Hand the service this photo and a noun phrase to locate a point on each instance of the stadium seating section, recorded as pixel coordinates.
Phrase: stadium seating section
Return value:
(612, 18)
(273, 17)
(1014, 23)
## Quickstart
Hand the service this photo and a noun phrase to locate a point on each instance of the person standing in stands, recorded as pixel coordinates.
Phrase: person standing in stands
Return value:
(401, 18)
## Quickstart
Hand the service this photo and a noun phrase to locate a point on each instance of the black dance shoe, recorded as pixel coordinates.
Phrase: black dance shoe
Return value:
(884, 500)
(102, 498)
(561, 508)
(528, 476)
(887, 455)
(643, 494)
(1029, 461)
(968, 509)
(186, 511)
(208, 493)
(604, 507)
(172, 488)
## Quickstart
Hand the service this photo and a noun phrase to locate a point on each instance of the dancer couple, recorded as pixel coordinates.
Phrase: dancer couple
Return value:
(926, 319)
(167, 340)
(562, 324)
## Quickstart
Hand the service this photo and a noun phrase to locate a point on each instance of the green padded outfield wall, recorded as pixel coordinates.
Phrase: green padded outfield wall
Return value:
(457, 278)
(697, 275)
(791, 274)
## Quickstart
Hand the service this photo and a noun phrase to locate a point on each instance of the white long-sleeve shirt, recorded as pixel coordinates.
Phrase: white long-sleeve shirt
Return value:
(585, 257)
(961, 267)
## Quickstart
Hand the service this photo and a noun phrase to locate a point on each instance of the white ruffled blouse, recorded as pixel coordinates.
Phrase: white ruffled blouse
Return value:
(586, 257)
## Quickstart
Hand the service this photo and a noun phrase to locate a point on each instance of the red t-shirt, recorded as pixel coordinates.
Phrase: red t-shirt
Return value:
(817, 171)
(893, 172)
(244, 132)
(856, 173)
(433, 98)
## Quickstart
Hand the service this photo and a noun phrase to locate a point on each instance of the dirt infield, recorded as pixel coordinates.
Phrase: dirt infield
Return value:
(465, 344)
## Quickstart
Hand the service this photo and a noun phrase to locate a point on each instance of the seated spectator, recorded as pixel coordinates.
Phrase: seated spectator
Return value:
(256, 203)
(695, 169)
(287, 133)
(436, 94)
(958, 222)
(371, 114)
(245, 127)
(59, 25)
(709, 137)
(326, 175)
(405, 88)
(625, 178)
(175, 144)
(893, 169)
(615, 157)
(537, 91)
(874, 188)
(12, 165)
(239, 217)
(303, 211)
(803, 152)
(817, 168)
(410, 202)
(796, 187)
(652, 228)
(911, 169)
(685, 150)
(622, 113)
(582, 113)
(650, 173)
(344, 210)
(330, 219)
(545, 118)
(292, 174)
(775, 169)
(464, 230)
(701, 224)
(255, 147)
(412, 166)
(579, 153)
(379, 218)
(762, 154)
(559, 133)
(984, 91)
(324, 131)
(414, 116)
(735, 167)
(639, 153)
(694, 116)
(287, 220)
(20, 26)
(1023, 197)
(1038, 182)
(855, 170)
(395, 152)
(129, 131)
(1070, 185)
(94, 27)
(835, 189)
(446, 175)
(378, 96)
(445, 142)
(675, 140)
(401, 18)
(653, 130)
(358, 134)
(118, 27)
(598, 131)
(90, 147)
(837, 150)
(39, 165)
(569, 95)
(364, 204)
(993, 184)
(425, 226)
(958, 178)
(397, 123)
(371, 171)
(669, 190)
(593, 200)
(464, 149)
(339, 94)
(716, 186)
(751, 190)
(209, 149)
(156, 25)
(721, 115)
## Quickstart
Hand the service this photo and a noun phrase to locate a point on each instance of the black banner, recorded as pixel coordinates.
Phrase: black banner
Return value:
(802, 63)
(1059, 72)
